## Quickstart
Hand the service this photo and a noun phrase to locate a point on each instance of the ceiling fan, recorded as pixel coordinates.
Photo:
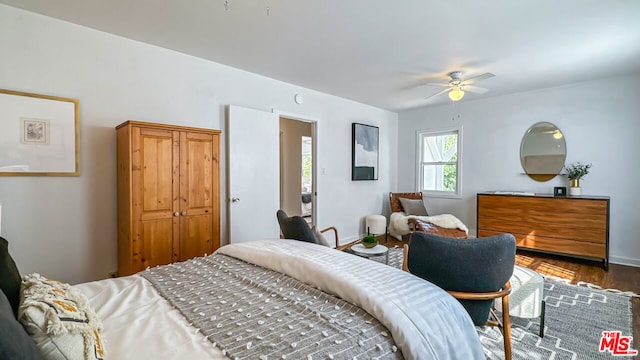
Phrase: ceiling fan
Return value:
(457, 85)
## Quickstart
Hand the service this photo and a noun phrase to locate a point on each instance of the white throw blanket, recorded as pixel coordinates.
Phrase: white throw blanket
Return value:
(399, 223)
(425, 321)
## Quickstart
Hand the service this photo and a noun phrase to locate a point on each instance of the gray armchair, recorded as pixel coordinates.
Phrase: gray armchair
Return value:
(474, 271)
(297, 228)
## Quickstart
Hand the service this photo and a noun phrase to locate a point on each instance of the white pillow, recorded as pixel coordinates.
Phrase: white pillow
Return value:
(320, 239)
(59, 320)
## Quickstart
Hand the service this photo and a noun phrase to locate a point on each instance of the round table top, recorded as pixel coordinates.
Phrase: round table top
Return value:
(376, 250)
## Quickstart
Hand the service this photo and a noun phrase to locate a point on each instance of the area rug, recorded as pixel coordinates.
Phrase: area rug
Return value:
(575, 319)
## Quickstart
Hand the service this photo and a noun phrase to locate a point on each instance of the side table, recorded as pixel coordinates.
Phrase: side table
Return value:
(377, 250)
(526, 298)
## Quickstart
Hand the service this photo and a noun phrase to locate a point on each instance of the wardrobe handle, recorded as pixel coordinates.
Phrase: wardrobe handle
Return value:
(176, 214)
(184, 213)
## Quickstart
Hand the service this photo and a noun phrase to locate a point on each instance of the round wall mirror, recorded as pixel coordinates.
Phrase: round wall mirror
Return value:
(543, 151)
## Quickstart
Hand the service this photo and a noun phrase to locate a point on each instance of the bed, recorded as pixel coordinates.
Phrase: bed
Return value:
(403, 222)
(278, 299)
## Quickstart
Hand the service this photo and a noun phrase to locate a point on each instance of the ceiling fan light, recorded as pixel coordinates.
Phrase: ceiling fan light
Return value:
(456, 94)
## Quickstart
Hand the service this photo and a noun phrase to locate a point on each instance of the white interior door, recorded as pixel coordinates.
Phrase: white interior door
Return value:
(254, 174)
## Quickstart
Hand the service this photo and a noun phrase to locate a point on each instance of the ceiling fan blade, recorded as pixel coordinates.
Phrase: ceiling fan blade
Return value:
(475, 89)
(436, 84)
(438, 93)
(477, 78)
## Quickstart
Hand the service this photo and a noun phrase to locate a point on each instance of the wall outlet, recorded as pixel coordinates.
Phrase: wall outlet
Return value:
(113, 274)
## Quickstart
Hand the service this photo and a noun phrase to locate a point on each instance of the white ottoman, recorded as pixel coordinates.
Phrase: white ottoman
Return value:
(526, 298)
(376, 225)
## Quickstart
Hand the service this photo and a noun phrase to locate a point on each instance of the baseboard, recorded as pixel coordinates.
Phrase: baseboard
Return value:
(624, 261)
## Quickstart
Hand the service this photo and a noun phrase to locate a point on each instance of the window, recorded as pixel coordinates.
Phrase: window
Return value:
(438, 156)
(306, 163)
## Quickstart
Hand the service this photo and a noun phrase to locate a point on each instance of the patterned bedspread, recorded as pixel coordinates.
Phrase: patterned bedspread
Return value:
(252, 312)
(289, 299)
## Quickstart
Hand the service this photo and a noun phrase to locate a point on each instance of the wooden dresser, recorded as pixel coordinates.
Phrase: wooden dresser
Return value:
(574, 226)
(168, 194)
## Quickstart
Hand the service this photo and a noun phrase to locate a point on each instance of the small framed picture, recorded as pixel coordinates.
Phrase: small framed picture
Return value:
(39, 135)
(559, 191)
(34, 131)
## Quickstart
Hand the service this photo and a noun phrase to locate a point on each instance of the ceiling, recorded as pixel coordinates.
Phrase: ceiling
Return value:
(382, 52)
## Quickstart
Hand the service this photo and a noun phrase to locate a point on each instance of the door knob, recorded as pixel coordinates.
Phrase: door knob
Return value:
(235, 200)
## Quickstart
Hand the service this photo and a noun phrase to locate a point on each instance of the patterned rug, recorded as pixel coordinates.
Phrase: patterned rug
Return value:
(575, 319)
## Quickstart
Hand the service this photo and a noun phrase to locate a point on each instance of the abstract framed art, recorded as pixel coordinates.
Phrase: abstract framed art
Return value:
(364, 152)
(40, 135)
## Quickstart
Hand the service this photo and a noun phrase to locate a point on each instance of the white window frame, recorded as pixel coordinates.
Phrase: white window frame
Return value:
(420, 135)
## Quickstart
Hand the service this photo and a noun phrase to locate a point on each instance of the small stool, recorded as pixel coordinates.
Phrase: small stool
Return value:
(526, 298)
(376, 225)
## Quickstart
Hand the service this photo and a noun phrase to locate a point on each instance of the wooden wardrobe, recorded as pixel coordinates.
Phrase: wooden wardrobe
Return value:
(168, 194)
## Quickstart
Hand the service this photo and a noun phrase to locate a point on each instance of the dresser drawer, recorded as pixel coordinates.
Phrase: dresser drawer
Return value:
(562, 246)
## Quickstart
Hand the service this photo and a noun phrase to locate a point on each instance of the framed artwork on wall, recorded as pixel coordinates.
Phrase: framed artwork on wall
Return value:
(40, 135)
(364, 152)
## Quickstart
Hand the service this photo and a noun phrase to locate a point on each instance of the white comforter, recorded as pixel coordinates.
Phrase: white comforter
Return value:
(425, 321)
(138, 323)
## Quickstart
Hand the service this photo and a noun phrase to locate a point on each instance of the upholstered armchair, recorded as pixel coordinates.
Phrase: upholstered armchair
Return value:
(474, 271)
(297, 228)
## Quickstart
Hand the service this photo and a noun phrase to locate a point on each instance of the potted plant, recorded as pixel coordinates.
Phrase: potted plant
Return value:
(575, 172)
(369, 241)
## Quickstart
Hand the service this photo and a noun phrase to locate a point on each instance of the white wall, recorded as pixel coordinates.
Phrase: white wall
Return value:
(66, 227)
(601, 123)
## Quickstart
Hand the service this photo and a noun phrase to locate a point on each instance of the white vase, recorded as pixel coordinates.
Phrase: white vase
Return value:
(575, 191)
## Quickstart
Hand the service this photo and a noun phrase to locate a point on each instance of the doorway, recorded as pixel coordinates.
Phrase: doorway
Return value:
(297, 168)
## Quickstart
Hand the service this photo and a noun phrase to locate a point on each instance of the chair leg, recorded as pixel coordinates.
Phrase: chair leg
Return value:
(405, 261)
(506, 327)
(541, 333)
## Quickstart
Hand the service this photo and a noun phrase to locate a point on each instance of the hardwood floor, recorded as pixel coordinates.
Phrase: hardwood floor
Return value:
(620, 277)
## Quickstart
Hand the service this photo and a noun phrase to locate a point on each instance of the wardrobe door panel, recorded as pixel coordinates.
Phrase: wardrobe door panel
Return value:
(199, 191)
(155, 163)
(156, 243)
(196, 176)
(196, 236)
